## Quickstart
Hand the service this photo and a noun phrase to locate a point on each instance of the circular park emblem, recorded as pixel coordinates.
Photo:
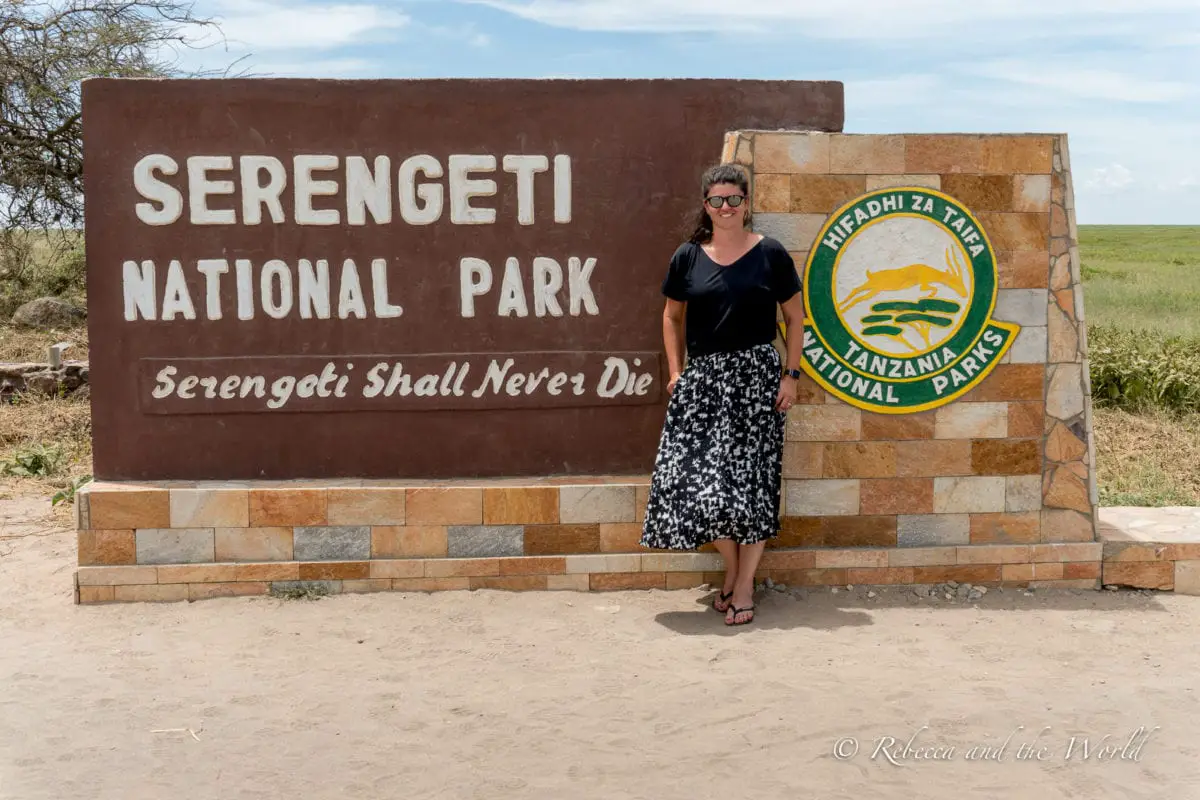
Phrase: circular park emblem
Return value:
(900, 287)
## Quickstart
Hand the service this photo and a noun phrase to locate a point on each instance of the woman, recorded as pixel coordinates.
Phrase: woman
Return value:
(717, 473)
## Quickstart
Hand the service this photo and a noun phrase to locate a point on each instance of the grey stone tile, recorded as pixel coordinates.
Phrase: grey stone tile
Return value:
(175, 545)
(477, 541)
(332, 543)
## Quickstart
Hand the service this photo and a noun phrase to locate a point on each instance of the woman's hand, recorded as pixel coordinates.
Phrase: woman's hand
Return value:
(671, 383)
(787, 393)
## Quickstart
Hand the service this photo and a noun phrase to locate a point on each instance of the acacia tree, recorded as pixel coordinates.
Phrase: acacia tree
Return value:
(47, 48)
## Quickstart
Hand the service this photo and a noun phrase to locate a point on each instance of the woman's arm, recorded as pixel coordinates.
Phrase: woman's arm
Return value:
(673, 341)
(793, 318)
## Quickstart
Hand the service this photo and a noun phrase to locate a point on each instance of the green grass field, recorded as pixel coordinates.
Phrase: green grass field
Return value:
(1142, 277)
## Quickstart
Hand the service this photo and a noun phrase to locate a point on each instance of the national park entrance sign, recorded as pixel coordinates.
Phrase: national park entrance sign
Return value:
(422, 279)
(354, 336)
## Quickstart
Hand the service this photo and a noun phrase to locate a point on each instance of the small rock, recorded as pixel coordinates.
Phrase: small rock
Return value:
(952, 584)
(974, 596)
(962, 592)
(849, 587)
(48, 313)
(834, 589)
(870, 594)
(1111, 587)
(983, 589)
(770, 584)
(949, 596)
(780, 587)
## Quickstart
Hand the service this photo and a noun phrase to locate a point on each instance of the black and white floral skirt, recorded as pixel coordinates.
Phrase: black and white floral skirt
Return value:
(720, 457)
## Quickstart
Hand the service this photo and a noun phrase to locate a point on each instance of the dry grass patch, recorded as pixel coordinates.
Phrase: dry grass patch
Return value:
(24, 345)
(1147, 459)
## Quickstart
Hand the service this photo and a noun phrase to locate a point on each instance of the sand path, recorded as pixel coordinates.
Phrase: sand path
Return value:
(617, 695)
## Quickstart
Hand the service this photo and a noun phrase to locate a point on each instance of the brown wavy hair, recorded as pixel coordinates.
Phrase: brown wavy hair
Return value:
(722, 173)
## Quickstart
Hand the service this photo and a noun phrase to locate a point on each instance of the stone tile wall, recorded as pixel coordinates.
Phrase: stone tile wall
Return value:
(1012, 461)
(141, 542)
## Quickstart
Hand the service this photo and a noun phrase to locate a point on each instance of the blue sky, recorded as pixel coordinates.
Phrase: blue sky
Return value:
(1121, 77)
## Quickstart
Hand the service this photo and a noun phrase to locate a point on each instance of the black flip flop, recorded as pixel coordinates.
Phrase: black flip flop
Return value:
(737, 611)
(723, 598)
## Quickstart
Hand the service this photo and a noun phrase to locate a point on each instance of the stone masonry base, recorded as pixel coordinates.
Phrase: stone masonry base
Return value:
(171, 542)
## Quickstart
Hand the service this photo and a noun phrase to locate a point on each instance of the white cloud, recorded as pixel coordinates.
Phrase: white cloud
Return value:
(1086, 82)
(865, 19)
(327, 68)
(1113, 178)
(262, 25)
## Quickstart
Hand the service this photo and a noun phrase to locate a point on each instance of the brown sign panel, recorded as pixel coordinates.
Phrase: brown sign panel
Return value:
(411, 279)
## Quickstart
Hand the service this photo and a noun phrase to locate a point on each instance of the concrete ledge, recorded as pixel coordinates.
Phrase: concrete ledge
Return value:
(1151, 548)
(162, 542)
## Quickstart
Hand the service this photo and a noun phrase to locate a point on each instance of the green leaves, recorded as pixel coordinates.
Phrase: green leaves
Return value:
(1140, 370)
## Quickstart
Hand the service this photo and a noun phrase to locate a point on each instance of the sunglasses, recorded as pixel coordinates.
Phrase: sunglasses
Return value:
(734, 200)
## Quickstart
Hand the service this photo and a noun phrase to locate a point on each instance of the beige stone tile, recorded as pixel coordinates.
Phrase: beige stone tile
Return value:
(461, 567)
(1016, 230)
(620, 537)
(129, 508)
(276, 507)
(105, 548)
(943, 153)
(641, 497)
(1023, 269)
(822, 497)
(994, 554)
(604, 563)
(1023, 154)
(366, 506)
(824, 423)
(875, 182)
(680, 562)
(858, 459)
(209, 508)
(933, 458)
(197, 573)
(449, 506)
(1065, 525)
(792, 153)
(858, 154)
(922, 557)
(1031, 193)
(1080, 551)
(283, 571)
(366, 586)
(829, 559)
(1140, 574)
(116, 576)
(823, 194)
(772, 194)
(521, 506)
(208, 591)
(1022, 493)
(253, 544)
(971, 495)
(1067, 490)
(409, 541)
(980, 192)
(1063, 337)
(1187, 577)
(971, 421)
(96, 594)
(803, 459)
(568, 583)
(174, 545)
(592, 504)
(796, 232)
(161, 593)
(396, 568)
(533, 565)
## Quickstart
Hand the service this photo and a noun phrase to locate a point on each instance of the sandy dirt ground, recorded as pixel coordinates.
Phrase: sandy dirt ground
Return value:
(618, 695)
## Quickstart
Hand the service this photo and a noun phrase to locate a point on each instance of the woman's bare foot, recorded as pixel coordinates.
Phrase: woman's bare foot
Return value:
(741, 607)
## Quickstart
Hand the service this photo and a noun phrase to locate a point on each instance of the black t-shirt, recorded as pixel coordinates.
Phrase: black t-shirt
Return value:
(731, 307)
